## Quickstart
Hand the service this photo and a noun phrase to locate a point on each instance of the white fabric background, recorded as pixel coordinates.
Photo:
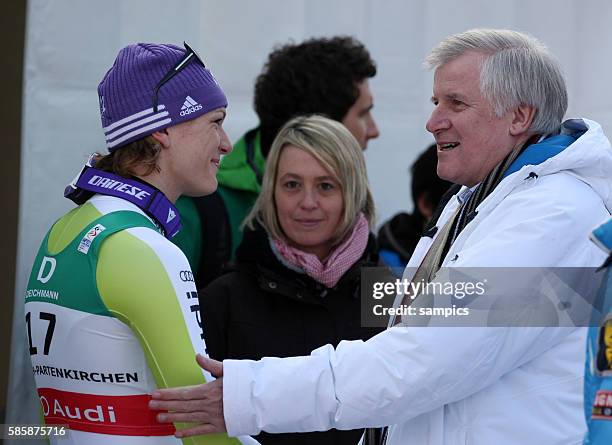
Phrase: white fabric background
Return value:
(71, 43)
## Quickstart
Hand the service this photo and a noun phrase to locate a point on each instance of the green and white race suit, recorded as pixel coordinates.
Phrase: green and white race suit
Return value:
(112, 314)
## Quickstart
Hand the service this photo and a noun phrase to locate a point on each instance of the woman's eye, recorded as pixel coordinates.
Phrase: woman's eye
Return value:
(291, 185)
(327, 186)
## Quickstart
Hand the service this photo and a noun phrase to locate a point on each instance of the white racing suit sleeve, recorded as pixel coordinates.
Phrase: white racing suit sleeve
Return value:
(391, 378)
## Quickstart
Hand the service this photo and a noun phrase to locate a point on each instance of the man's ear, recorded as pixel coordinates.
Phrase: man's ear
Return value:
(162, 137)
(522, 117)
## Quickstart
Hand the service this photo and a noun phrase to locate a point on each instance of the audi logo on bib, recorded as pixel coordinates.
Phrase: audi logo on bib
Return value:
(127, 415)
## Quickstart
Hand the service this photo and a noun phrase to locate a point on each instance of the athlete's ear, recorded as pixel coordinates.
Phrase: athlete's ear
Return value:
(162, 137)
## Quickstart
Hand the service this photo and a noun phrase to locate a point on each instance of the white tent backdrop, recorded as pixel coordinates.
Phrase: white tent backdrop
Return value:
(71, 43)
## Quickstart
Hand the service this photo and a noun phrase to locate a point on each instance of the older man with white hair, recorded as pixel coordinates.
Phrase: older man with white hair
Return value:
(533, 187)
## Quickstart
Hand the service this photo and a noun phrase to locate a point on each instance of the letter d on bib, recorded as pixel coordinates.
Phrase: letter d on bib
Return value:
(46, 260)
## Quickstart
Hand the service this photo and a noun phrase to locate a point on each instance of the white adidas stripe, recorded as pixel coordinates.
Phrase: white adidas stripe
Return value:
(127, 119)
(137, 132)
(135, 124)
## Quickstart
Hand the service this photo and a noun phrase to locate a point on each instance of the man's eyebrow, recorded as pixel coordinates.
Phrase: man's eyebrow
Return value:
(450, 96)
(458, 96)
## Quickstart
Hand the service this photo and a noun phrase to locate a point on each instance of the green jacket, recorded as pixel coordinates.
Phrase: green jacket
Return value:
(239, 179)
(212, 224)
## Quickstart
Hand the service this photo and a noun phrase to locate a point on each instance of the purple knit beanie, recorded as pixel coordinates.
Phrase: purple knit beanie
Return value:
(126, 93)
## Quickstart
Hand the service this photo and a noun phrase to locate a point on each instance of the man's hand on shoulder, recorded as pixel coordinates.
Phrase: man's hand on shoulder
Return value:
(200, 404)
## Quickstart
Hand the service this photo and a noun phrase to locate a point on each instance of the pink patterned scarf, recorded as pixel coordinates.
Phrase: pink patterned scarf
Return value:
(341, 258)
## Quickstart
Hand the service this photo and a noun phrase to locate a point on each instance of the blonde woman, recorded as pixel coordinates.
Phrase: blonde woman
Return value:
(295, 285)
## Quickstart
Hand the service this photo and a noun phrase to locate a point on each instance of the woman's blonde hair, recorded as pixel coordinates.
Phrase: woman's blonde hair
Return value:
(330, 143)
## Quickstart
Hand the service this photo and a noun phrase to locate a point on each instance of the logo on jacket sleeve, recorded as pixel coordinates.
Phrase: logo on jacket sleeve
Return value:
(85, 243)
(602, 405)
(185, 276)
(195, 310)
(603, 361)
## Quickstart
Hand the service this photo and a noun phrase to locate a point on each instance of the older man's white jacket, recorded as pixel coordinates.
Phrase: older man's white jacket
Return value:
(443, 386)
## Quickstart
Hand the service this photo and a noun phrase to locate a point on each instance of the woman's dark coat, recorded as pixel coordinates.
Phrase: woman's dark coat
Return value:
(264, 309)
